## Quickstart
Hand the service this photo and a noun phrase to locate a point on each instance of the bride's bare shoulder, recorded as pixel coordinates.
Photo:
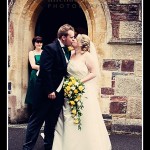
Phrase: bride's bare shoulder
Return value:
(88, 58)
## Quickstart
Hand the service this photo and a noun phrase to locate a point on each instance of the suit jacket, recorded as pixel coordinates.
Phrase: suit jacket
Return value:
(53, 68)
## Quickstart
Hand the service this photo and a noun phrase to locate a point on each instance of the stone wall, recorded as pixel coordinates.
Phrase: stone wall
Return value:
(123, 69)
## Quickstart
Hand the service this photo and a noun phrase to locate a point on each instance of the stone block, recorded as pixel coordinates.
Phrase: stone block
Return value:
(113, 84)
(118, 17)
(127, 65)
(138, 68)
(127, 52)
(12, 108)
(134, 108)
(129, 1)
(118, 107)
(130, 29)
(119, 8)
(111, 65)
(128, 86)
(123, 125)
(107, 91)
(117, 128)
(118, 98)
(114, 74)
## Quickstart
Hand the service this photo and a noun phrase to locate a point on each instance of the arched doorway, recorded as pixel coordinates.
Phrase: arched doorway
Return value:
(54, 15)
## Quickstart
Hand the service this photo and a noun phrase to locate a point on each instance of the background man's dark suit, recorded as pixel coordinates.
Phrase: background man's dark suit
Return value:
(53, 68)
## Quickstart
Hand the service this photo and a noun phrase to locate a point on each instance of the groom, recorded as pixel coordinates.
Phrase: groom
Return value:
(49, 94)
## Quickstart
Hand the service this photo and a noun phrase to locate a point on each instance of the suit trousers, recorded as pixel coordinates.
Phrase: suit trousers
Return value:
(48, 111)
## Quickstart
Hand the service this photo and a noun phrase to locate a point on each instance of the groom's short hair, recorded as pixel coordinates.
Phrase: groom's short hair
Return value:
(63, 30)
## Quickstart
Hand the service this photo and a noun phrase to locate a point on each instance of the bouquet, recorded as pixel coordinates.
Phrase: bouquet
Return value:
(73, 91)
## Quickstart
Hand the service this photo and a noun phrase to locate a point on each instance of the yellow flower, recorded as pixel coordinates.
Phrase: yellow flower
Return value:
(70, 83)
(73, 81)
(68, 88)
(76, 121)
(74, 111)
(78, 97)
(70, 48)
(72, 102)
(75, 91)
(71, 77)
(80, 88)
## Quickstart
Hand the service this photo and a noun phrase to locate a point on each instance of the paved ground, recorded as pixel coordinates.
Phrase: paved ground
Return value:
(16, 135)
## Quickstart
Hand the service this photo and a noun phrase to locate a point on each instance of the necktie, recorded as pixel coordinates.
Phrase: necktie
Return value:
(66, 52)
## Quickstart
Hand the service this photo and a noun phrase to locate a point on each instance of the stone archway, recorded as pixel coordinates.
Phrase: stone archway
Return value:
(47, 23)
(23, 17)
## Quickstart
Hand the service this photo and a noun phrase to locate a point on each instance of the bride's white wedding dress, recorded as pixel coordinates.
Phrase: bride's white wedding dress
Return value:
(93, 134)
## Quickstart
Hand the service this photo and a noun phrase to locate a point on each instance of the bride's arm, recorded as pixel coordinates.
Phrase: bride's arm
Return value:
(91, 67)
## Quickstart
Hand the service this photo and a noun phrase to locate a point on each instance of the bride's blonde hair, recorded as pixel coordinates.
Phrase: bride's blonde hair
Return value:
(85, 42)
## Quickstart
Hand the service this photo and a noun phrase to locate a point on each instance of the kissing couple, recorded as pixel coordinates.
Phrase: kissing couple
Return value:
(50, 104)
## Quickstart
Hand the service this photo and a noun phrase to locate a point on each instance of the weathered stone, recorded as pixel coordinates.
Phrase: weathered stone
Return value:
(133, 7)
(122, 120)
(128, 86)
(123, 125)
(127, 65)
(113, 84)
(114, 1)
(117, 128)
(118, 17)
(130, 29)
(12, 107)
(118, 98)
(138, 68)
(114, 74)
(111, 65)
(134, 108)
(107, 91)
(133, 16)
(125, 41)
(118, 107)
(119, 8)
(127, 52)
(115, 29)
(129, 1)
(104, 96)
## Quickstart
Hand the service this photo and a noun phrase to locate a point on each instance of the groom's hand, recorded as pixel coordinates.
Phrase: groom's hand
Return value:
(52, 95)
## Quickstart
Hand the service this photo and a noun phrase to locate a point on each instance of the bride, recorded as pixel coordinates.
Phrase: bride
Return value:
(93, 134)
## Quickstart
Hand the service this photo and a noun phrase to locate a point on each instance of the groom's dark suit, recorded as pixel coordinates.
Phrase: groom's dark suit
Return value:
(53, 68)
